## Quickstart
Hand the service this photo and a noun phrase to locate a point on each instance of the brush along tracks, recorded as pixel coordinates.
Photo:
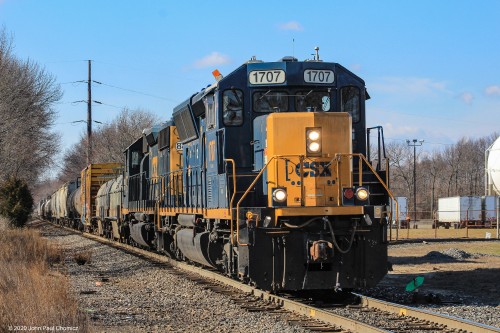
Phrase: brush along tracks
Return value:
(369, 316)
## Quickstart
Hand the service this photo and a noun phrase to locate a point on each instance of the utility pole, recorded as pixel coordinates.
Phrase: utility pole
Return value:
(414, 143)
(89, 116)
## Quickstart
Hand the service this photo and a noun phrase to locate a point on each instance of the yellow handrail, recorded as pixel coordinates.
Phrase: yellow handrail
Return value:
(241, 199)
(336, 157)
(362, 157)
(234, 187)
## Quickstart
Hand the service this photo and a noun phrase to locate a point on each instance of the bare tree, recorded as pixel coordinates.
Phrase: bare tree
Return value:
(400, 161)
(457, 170)
(109, 142)
(27, 95)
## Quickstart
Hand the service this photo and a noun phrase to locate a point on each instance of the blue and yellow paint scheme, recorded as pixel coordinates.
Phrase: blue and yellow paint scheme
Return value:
(264, 175)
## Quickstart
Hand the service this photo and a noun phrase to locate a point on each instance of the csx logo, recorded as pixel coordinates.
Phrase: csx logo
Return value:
(310, 169)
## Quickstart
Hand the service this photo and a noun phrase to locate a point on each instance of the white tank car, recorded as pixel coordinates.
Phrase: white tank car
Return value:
(494, 166)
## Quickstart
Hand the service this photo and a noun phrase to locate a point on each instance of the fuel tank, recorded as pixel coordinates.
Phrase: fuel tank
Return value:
(198, 247)
(142, 233)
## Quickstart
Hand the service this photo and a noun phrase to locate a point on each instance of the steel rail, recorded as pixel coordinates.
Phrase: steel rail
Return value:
(287, 304)
(309, 311)
(449, 321)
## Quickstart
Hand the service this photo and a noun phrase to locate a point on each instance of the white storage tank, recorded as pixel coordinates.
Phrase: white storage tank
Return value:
(458, 211)
(493, 166)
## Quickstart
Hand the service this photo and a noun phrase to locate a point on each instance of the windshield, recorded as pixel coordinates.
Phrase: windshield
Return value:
(276, 101)
(312, 101)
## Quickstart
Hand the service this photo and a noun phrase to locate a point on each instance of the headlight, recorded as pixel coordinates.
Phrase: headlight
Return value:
(279, 195)
(362, 193)
(313, 147)
(313, 135)
(313, 141)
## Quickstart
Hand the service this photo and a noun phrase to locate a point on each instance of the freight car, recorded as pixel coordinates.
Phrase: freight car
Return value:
(262, 175)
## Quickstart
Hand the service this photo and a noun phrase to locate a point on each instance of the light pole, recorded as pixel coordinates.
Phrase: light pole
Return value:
(414, 143)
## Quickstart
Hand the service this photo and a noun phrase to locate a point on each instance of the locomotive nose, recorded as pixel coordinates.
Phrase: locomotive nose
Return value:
(304, 150)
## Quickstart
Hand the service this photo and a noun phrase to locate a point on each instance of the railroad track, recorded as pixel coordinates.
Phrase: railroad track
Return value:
(369, 315)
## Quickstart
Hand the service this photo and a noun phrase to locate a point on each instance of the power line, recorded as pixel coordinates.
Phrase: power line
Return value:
(139, 92)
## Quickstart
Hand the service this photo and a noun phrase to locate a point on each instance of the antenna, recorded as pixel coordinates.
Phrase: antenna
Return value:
(293, 47)
(317, 53)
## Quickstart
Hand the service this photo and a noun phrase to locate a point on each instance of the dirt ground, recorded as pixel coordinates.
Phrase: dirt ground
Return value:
(465, 271)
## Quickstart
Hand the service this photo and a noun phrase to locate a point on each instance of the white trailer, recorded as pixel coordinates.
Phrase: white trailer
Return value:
(403, 212)
(489, 210)
(459, 211)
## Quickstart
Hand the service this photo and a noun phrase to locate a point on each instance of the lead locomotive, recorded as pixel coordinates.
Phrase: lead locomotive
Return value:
(265, 175)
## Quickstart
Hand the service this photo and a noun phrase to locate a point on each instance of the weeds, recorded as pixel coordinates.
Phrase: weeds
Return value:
(82, 258)
(30, 293)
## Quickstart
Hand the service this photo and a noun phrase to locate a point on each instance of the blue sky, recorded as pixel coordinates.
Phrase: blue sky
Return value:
(432, 68)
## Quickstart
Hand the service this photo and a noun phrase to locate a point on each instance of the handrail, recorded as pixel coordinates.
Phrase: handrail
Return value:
(234, 189)
(241, 199)
(362, 157)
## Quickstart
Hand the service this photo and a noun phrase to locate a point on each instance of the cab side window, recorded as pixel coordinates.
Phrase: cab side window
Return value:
(350, 102)
(232, 108)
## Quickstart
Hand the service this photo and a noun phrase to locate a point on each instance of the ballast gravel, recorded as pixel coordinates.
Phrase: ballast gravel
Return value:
(123, 293)
(470, 303)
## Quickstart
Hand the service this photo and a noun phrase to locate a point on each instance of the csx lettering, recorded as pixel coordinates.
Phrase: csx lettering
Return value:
(314, 169)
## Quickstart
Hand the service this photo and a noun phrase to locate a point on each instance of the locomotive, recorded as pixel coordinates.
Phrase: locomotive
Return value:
(267, 175)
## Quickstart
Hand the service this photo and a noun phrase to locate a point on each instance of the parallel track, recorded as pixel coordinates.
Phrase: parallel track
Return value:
(304, 312)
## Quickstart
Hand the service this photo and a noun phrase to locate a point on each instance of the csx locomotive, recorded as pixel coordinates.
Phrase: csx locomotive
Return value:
(265, 175)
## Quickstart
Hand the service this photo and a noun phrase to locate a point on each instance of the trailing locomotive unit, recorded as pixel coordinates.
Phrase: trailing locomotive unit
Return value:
(263, 176)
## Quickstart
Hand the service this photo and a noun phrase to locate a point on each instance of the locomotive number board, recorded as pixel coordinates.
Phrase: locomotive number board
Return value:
(318, 76)
(278, 76)
(268, 76)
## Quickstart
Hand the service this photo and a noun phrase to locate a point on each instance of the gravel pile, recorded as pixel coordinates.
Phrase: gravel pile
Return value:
(122, 293)
(457, 254)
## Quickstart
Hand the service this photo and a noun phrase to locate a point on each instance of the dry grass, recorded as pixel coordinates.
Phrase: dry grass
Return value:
(31, 294)
(478, 233)
(82, 258)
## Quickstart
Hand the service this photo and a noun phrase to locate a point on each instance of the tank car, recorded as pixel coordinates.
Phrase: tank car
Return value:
(47, 212)
(59, 202)
(74, 208)
(266, 175)
(108, 208)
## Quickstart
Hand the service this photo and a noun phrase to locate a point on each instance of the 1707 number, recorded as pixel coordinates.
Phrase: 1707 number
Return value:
(274, 76)
(318, 76)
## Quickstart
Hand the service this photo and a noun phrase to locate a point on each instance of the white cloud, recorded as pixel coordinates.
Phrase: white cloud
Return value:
(466, 97)
(492, 91)
(292, 25)
(410, 85)
(213, 59)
